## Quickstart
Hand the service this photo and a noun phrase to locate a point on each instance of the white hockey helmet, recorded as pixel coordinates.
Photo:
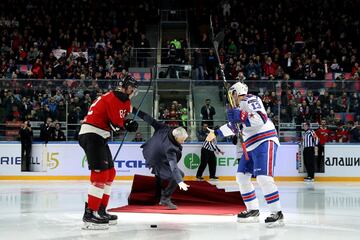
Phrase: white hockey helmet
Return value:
(239, 89)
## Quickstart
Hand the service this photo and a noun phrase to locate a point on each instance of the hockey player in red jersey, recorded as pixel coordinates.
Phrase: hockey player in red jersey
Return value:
(107, 113)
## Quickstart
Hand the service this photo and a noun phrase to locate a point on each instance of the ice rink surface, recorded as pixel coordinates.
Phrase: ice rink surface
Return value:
(54, 209)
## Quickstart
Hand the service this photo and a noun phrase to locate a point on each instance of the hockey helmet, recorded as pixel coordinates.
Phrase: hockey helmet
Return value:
(128, 81)
(239, 89)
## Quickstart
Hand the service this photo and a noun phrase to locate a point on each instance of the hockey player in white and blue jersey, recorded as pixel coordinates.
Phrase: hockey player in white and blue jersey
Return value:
(261, 143)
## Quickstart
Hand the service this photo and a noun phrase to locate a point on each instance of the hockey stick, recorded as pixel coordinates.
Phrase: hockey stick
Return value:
(228, 94)
(126, 132)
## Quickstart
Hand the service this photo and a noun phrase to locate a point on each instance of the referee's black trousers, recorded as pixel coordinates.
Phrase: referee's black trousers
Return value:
(309, 160)
(25, 156)
(207, 158)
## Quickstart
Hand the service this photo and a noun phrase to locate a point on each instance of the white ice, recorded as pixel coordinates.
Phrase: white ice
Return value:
(53, 210)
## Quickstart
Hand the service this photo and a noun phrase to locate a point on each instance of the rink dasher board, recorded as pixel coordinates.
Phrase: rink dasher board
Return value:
(63, 161)
(342, 160)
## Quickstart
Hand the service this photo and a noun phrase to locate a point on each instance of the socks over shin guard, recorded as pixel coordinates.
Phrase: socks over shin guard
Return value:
(106, 195)
(247, 191)
(270, 191)
(95, 195)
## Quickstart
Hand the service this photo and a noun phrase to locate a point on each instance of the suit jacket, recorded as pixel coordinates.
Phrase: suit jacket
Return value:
(205, 114)
(354, 135)
(161, 152)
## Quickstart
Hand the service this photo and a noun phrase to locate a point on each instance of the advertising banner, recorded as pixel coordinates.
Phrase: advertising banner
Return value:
(68, 159)
(342, 160)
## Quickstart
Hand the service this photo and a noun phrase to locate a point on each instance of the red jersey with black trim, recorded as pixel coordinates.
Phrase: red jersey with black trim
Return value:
(108, 109)
(324, 135)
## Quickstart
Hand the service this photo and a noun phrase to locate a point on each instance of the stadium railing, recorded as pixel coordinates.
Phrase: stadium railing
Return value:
(346, 104)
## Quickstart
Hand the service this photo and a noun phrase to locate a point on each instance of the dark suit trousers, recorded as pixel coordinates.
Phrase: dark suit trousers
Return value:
(158, 187)
(309, 161)
(207, 158)
(170, 188)
(25, 156)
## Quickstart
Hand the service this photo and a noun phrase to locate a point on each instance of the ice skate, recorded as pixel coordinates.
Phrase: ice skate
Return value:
(103, 213)
(275, 220)
(93, 221)
(248, 216)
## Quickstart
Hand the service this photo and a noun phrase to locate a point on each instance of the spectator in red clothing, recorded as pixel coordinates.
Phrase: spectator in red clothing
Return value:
(290, 95)
(37, 69)
(342, 134)
(355, 68)
(324, 135)
(269, 67)
(173, 118)
(15, 114)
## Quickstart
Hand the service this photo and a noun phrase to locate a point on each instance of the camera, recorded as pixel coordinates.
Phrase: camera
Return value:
(28, 124)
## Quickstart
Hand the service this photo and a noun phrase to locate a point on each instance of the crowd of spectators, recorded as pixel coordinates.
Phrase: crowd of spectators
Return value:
(303, 39)
(298, 42)
(51, 131)
(71, 39)
(36, 101)
(175, 51)
(174, 114)
(60, 100)
(78, 43)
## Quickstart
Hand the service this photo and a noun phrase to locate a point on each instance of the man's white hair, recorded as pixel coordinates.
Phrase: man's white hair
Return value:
(180, 132)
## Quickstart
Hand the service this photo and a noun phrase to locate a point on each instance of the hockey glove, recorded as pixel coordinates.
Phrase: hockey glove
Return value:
(131, 125)
(236, 115)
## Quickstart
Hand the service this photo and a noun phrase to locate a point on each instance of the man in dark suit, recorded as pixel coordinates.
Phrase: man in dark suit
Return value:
(47, 130)
(207, 112)
(26, 137)
(162, 152)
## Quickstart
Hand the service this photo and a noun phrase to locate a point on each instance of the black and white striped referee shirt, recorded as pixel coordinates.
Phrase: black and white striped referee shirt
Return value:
(310, 139)
(211, 146)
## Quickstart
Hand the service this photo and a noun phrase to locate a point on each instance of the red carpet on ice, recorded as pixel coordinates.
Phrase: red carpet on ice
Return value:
(201, 198)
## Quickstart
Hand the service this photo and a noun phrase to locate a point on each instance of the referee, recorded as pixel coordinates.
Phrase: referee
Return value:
(310, 140)
(208, 157)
